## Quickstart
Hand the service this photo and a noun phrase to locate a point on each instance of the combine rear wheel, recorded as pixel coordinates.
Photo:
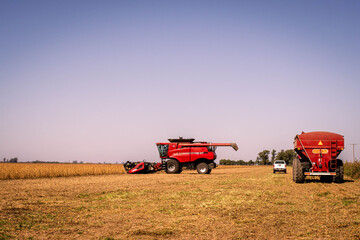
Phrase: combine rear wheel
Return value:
(203, 168)
(298, 174)
(173, 166)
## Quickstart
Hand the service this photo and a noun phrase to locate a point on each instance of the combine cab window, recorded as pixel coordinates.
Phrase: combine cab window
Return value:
(163, 150)
(211, 148)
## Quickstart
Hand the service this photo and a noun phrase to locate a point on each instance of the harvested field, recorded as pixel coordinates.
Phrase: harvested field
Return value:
(48, 170)
(230, 203)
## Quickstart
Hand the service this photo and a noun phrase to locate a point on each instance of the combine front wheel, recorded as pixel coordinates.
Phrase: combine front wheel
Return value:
(203, 168)
(172, 166)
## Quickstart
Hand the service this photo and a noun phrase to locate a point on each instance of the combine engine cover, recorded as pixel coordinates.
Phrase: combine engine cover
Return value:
(318, 152)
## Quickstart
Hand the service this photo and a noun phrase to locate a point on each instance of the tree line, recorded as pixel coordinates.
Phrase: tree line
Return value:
(265, 157)
(234, 162)
(12, 160)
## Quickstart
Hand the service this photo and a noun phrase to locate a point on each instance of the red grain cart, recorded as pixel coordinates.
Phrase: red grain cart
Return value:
(318, 152)
(180, 152)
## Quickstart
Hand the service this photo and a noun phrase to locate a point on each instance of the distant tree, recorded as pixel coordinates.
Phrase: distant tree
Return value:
(75, 162)
(226, 162)
(14, 160)
(264, 157)
(288, 156)
(251, 162)
(4, 159)
(232, 162)
(273, 155)
(257, 161)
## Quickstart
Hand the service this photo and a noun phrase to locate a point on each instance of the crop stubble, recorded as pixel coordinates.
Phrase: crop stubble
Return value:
(230, 203)
(48, 170)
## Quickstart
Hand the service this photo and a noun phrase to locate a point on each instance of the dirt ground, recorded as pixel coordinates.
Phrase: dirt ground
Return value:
(230, 203)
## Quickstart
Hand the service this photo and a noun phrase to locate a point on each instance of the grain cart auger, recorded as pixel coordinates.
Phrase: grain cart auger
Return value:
(317, 156)
(179, 153)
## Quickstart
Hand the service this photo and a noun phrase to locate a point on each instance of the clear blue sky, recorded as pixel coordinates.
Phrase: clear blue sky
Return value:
(99, 81)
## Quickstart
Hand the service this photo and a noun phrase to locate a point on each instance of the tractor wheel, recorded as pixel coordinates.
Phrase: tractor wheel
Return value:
(172, 166)
(202, 168)
(298, 174)
(285, 171)
(209, 171)
(339, 178)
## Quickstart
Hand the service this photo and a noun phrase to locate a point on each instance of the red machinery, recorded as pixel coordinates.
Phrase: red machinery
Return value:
(179, 153)
(142, 167)
(318, 152)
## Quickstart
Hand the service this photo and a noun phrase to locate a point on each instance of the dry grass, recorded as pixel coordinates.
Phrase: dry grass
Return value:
(230, 203)
(46, 170)
(352, 169)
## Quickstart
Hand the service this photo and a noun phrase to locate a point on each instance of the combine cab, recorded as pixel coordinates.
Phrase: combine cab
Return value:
(179, 153)
(318, 152)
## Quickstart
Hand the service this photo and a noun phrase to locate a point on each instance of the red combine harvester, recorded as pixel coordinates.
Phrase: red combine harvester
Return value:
(179, 153)
(318, 152)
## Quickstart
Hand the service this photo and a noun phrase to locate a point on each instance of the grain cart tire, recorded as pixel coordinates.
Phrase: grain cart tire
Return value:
(202, 168)
(298, 174)
(173, 166)
(339, 178)
(209, 171)
(285, 171)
